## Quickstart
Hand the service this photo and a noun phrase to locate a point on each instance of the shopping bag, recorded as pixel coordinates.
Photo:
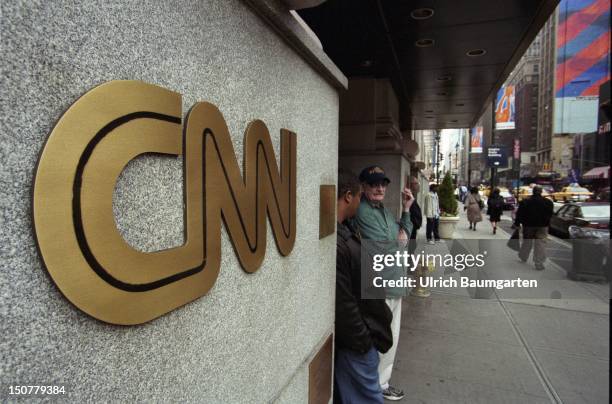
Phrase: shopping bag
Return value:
(515, 242)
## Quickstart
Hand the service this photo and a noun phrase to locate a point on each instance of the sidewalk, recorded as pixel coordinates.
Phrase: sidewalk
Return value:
(456, 349)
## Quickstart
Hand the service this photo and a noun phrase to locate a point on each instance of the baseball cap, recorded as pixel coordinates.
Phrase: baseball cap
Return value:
(373, 175)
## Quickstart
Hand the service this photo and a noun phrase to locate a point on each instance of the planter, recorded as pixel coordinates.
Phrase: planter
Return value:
(447, 226)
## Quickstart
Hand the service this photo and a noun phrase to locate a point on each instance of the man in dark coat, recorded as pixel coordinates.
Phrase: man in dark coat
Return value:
(363, 326)
(534, 215)
(416, 216)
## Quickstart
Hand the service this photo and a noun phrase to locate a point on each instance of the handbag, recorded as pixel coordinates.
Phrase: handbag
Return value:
(480, 204)
(515, 241)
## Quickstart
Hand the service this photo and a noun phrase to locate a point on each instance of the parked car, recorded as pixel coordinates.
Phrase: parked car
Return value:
(588, 215)
(602, 194)
(572, 193)
(509, 199)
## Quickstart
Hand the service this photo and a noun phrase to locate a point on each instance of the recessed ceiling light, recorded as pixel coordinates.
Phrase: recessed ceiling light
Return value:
(424, 43)
(366, 63)
(476, 52)
(446, 77)
(422, 13)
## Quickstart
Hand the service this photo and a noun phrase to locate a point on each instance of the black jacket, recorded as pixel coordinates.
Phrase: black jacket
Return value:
(416, 217)
(535, 211)
(495, 206)
(360, 323)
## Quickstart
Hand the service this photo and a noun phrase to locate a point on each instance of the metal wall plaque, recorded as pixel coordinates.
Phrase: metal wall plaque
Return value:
(320, 374)
(327, 210)
(101, 132)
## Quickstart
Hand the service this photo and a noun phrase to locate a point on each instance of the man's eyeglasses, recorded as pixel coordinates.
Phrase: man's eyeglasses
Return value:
(379, 184)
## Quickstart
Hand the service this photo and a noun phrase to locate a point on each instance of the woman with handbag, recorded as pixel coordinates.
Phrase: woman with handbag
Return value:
(473, 204)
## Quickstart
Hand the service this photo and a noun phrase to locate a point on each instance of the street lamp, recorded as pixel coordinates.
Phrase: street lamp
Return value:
(438, 157)
(457, 163)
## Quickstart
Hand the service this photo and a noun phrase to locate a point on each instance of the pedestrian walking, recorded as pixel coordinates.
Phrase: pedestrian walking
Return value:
(473, 204)
(534, 215)
(416, 216)
(363, 326)
(376, 222)
(432, 214)
(462, 192)
(495, 208)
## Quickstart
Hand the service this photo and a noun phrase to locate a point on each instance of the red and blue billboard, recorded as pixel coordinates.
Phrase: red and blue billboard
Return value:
(504, 108)
(476, 140)
(583, 63)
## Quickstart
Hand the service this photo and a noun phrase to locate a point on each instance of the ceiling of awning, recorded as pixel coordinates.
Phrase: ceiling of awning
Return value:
(438, 86)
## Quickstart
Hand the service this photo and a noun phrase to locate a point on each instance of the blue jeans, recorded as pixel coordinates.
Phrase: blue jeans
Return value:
(356, 377)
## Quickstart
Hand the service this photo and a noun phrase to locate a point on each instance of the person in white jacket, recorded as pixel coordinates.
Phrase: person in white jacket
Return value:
(432, 213)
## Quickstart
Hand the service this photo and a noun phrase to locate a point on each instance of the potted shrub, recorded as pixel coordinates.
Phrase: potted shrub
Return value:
(449, 215)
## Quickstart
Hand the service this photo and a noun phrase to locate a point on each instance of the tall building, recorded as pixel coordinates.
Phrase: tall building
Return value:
(526, 82)
(427, 145)
(545, 106)
(482, 135)
(525, 79)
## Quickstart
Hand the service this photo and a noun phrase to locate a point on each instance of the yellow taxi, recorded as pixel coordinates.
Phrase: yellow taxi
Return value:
(574, 192)
(484, 190)
(526, 191)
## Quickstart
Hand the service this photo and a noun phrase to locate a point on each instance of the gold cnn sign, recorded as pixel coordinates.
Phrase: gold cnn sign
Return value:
(82, 249)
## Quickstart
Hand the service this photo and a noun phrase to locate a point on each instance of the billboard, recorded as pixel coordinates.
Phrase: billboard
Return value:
(582, 65)
(476, 140)
(504, 108)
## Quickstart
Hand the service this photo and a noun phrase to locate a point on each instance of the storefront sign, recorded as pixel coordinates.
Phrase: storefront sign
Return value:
(101, 132)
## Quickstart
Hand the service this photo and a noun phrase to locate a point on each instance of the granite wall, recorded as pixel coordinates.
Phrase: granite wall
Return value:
(250, 338)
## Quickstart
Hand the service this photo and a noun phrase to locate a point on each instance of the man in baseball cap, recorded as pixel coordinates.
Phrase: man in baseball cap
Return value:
(375, 222)
(373, 175)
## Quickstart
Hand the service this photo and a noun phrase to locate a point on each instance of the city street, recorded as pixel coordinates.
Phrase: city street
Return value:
(455, 348)
(558, 250)
(176, 178)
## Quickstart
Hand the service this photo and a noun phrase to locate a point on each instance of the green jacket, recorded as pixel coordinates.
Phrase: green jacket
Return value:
(376, 223)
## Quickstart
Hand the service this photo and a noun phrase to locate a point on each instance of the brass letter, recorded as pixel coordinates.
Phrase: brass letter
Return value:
(82, 249)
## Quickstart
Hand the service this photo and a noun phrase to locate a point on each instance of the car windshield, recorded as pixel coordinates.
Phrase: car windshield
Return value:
(577, 189)
(596, 211)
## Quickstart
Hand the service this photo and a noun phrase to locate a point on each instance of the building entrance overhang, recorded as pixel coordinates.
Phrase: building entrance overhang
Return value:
(445, 59)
